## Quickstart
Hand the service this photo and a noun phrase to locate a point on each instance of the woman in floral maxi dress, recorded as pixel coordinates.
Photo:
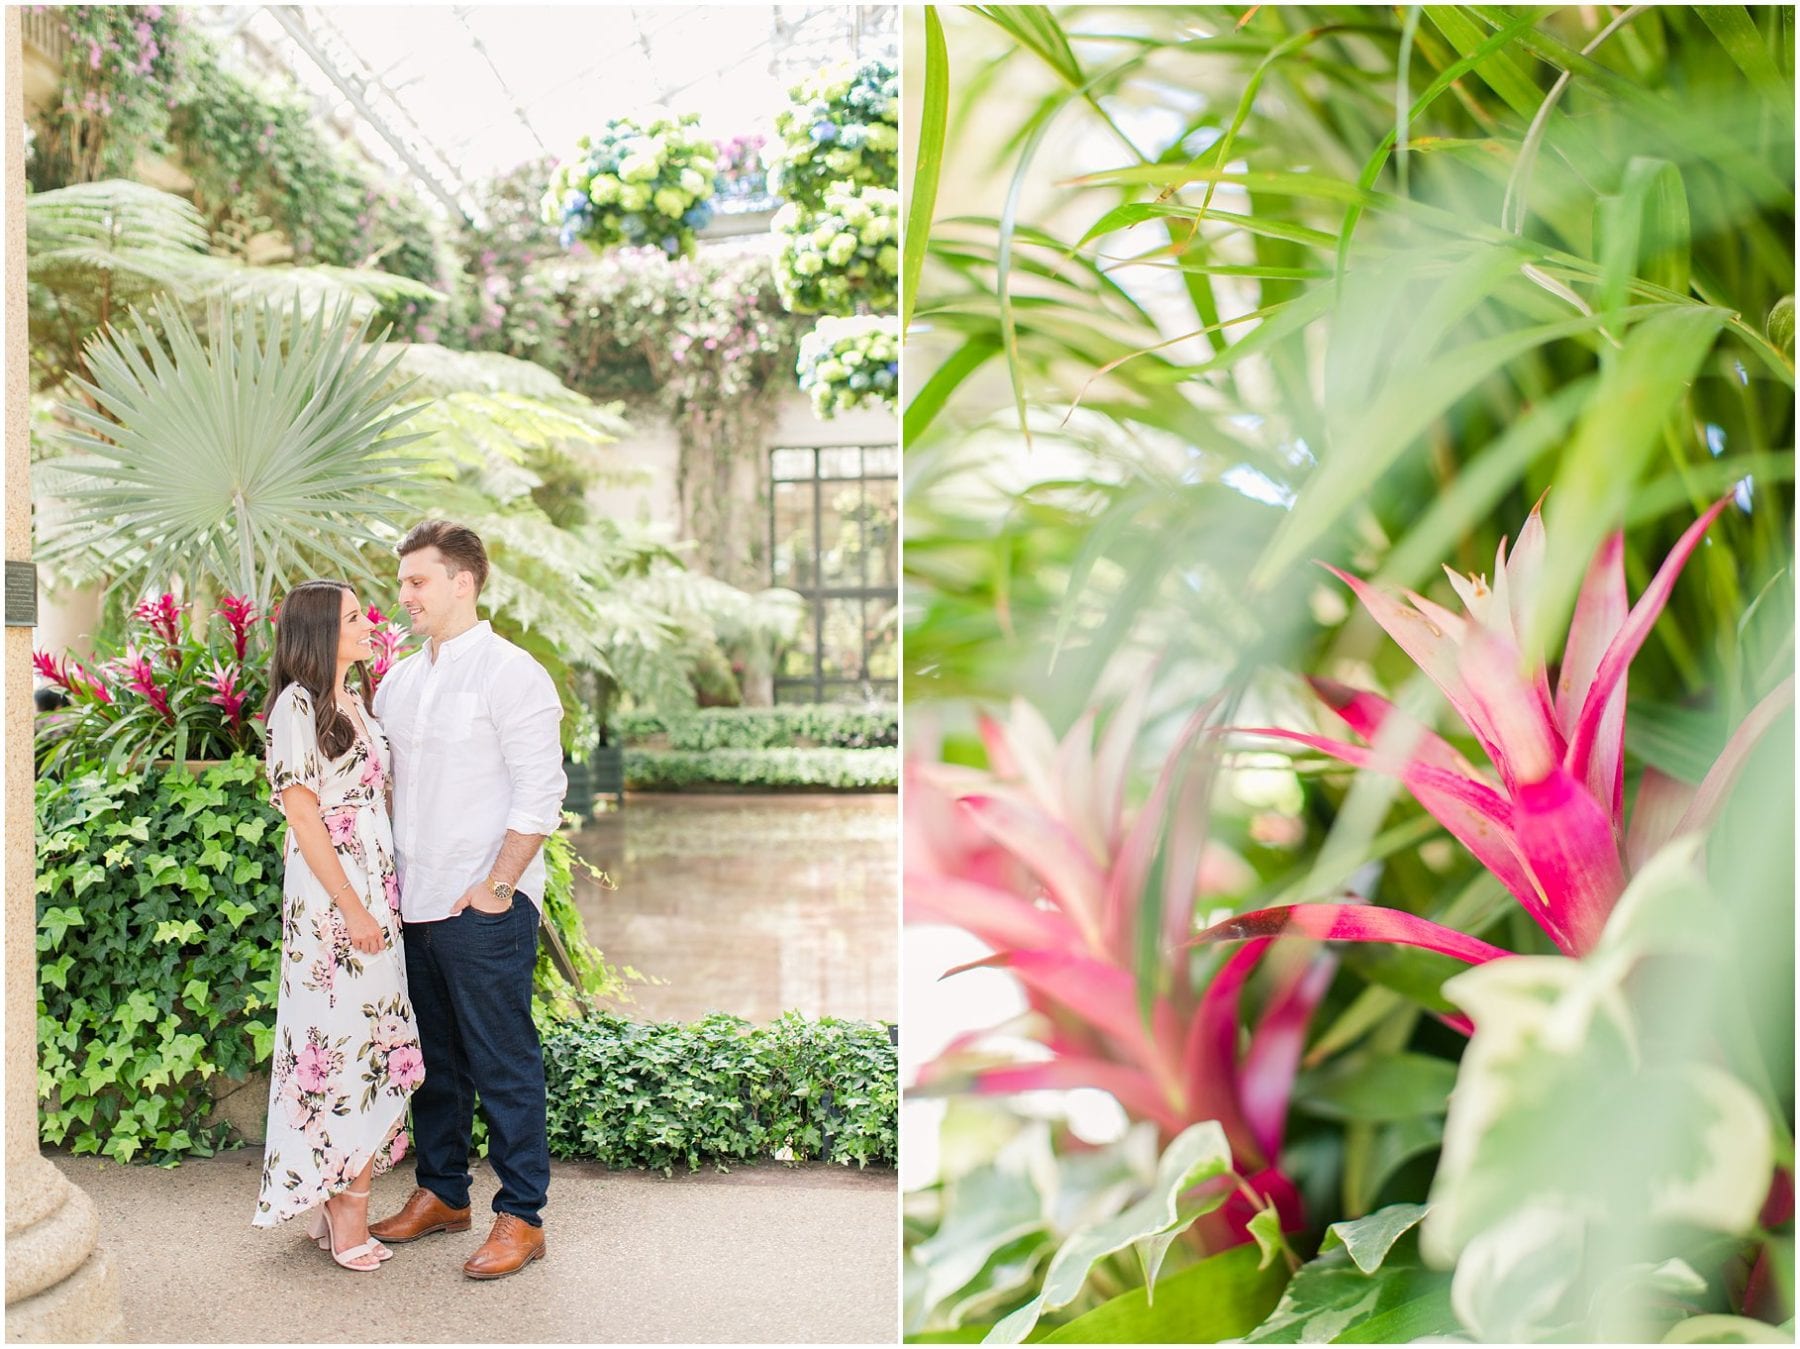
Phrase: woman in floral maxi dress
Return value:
(346, 1056)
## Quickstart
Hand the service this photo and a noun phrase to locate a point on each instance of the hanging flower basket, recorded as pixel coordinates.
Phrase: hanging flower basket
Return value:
(848, 363)
(843, 258)
(843, 125)
(636, 184)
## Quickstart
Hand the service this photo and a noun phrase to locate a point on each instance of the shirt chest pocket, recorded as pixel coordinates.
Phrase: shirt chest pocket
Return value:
(454, 716)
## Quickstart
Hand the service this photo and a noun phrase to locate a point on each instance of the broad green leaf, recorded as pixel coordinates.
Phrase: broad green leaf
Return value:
(1330, 1297)
(1223, 1297)
(1197, 1154)
(1368, 1240)
(1727, 1330)
(986, 1211)
(1265, 1229)
(1390, 1087)
(1567, 1145)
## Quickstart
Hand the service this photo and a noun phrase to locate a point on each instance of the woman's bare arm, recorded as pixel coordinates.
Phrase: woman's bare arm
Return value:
(307, 826)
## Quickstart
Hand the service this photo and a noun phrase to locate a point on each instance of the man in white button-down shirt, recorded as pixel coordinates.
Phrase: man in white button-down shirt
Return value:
(478, 785)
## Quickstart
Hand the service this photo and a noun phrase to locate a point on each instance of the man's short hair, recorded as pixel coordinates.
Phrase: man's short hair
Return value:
(460, 546)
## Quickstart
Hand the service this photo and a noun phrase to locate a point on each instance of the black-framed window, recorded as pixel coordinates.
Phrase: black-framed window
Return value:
(834, 537)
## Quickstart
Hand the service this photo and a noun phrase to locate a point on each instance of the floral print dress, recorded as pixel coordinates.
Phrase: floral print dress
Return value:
(346, 1057)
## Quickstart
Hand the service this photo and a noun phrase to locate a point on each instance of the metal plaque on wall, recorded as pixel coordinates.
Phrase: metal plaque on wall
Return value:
(21, 594)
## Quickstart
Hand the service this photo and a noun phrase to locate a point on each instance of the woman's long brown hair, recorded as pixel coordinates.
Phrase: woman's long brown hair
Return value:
(306, 647)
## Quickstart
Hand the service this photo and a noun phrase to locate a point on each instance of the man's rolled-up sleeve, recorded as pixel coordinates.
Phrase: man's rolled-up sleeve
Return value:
(528, 716)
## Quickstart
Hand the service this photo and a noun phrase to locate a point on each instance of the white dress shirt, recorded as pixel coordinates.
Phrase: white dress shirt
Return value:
(476, 752)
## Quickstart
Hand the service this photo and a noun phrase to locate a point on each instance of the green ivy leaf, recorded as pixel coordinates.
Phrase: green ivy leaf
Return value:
(235, 913)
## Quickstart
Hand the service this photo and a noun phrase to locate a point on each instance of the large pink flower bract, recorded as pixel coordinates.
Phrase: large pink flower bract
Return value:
(1552, 828)
(1041, 860)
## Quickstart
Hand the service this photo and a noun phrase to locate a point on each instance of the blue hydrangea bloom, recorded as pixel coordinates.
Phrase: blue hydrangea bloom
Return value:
(696, 217)
(632, 226)
(671, 245)
(859, 381)
(824, 133)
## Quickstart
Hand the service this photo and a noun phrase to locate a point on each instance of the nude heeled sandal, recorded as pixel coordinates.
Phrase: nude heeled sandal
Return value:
(319, 1229)
(315, 1230)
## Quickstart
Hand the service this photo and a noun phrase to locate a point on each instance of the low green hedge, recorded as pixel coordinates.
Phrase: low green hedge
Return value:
(159, 938)
(652, 770)
(803, 725)
(645, 1094)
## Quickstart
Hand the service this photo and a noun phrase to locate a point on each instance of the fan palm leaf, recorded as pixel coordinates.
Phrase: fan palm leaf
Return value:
(94, 250)
(224, 459)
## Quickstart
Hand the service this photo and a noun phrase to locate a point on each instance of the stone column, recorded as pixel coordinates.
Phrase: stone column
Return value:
(59, 1285)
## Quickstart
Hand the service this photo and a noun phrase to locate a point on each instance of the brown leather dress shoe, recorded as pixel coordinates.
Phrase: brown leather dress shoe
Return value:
(423, 1214)
(512, 1245)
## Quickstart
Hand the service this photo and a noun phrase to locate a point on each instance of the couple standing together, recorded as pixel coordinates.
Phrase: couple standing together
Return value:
(409, 912)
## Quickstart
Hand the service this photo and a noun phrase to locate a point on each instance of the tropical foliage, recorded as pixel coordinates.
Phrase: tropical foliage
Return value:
(97, 250)
(186, 455)
(1208, 295)
(718, 349)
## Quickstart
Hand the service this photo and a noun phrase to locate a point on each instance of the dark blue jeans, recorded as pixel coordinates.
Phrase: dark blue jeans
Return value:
(470, 982)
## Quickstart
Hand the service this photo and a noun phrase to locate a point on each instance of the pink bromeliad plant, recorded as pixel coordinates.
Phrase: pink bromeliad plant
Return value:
(1552, 826)
(1041, 860)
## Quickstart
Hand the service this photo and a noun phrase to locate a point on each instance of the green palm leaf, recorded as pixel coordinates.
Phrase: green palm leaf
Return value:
(221, 459)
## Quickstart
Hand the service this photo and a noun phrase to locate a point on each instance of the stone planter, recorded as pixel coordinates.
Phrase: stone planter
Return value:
(579, 798)
(243, 1105)
(607, 766)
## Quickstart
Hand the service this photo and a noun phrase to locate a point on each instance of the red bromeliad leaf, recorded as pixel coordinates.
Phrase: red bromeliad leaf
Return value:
(1209, 1060)
(1101, 995)
(1000, 919)
(1352, 922)
(1600, 612)
(1372, 716)
(1429, 635)
(1661, 802)
(999, 752)
(1614, 665)
(1229, 1225)
(1492, 845)
(1133, 1090)
(1073, 769)
(1052, 853)
(1470, 792)
(1521, 719)
(1720, 778)
(1112, 762)
(1566, 838)
(1266, 1078)
(1125, 885)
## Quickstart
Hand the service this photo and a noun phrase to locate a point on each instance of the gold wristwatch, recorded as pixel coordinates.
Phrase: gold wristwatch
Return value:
(499, 889)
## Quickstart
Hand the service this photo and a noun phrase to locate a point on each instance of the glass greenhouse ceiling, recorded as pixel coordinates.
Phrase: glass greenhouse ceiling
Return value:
(450, 95)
